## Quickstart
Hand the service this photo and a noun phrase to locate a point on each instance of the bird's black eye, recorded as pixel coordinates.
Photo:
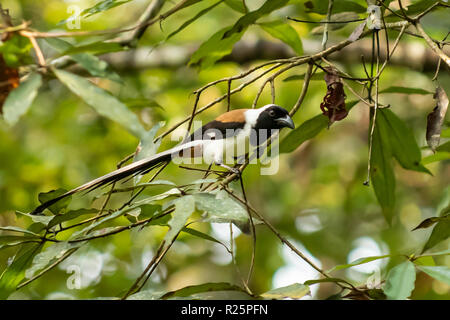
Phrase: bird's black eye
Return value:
(272, 113)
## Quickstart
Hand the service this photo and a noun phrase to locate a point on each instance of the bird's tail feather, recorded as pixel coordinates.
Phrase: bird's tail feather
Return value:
(139, 167)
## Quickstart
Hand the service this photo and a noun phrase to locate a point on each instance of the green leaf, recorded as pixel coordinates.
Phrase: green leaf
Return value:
(424, 261)
(293, 291)
(400, 281)
(406, 90)
(70, 215)
(438, 156)
(16, 51)
(440, 232)
(95, 66)
(19, 100)
(251, 17)
(201, 288)
(146, 295)
(315, 281)
(202, 235)
(17, 229)
(441, 273)
(13, 240)
(214, 48)
(96, 48)
(147, 147)
(444, 147)
(220, 207)
(102, 6)
(382, 173)
(102, 101)
(237, 5)
(306, 131)
(169, 193)
(315, 76)
(222, 42)
(401, 141)
(48, 256)
(58, 206)
(195, 18)
(431, 221)
(418, 7)
(92, 226)
(281, 30)
(184, 207)
(15, 272)
(36, 218)
(358, 262)
(149, 210)
(321, 6)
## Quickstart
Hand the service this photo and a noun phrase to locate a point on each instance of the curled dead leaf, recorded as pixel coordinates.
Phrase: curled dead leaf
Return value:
(333, 104)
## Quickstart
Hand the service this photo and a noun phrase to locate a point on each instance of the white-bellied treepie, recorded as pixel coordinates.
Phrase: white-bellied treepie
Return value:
(211, 142)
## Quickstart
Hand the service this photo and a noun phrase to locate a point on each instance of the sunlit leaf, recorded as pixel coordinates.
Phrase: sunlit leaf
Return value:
(441, 273)
(195, 18)
(95, 66)
(222, 42)
(220, 207)
(406, 90)
(147, 147)
(281, 30)
(20, 99)
(358, 262)
(441, 232)
(184, 207)
(102, 101)
(17, 229)
(102, 6)
(400, 281)
(46, 257)
(13, 274)
(438, 156)
(70, 215)
(237, 5)
(293, 291)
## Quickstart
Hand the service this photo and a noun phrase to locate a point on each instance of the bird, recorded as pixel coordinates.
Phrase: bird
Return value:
(211, 142)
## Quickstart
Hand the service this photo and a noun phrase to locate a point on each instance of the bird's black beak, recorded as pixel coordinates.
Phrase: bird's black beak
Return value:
(286, 122)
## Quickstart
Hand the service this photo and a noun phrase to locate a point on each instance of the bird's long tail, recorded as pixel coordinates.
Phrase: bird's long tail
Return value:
(138, 167)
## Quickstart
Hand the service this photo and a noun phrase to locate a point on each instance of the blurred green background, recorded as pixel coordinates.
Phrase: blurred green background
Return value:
(317, 199)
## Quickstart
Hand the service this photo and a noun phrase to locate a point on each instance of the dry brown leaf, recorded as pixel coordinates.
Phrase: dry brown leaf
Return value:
(333, 104)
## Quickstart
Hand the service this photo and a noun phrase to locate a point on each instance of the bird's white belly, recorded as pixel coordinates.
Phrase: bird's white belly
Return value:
(226, 150)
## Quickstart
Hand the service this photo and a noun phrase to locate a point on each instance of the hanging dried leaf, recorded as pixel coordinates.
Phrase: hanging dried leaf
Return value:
(333, 105)
(9, 80)
(436, 118)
